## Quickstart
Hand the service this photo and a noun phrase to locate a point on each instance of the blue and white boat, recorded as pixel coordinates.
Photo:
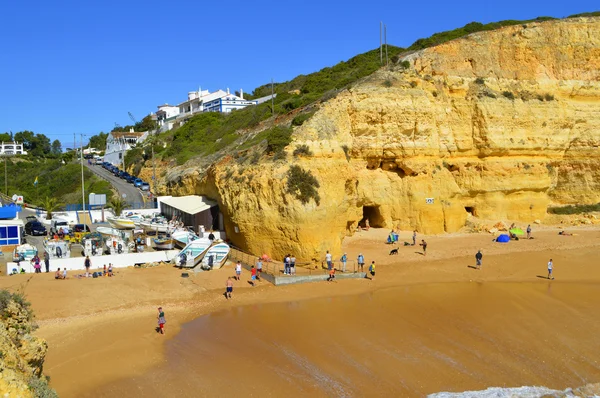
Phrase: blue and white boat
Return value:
(183, 237)
(24, 252)
(192, 253)
(215, 256)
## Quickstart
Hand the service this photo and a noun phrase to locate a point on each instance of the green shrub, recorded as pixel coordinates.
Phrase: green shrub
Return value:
(574, 209)
(480, 80)
(40, 388)
(508, 95)
(303, 185)
(280, 155)
(405, 64)
(302, 150)
(414, 84)
(549, 97)
(387, 83)
(278, 138)
(301, 118)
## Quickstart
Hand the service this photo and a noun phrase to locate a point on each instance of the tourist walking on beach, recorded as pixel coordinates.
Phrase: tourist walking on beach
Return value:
(372, 270)
(414, 237)
(343, 260)
(36, 264)
(424, 244)
(328, 260)
(238, 270)
(253, 276)
(161, 320)
(550, 267)
(529, 232)
(361, 261)
(259, 266)
(88, 264)
(228, 288)
(286, 265)
(478, 258)
(47, 261)
(293, 265)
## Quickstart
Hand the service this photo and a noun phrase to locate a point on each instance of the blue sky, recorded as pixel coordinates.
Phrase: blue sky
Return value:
(79, 66)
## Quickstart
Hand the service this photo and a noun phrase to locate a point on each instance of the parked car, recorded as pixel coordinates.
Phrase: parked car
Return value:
(131, 179)
(137, 182)
(124, 175)
(31, 218)
(81, 228)
(145, 186)
(35, 228)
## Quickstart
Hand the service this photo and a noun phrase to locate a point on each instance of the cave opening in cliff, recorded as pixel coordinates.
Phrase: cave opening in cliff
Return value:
(372, 214)
(471, 209)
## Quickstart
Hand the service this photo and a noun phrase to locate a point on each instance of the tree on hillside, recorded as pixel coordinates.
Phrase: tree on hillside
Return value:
(50, 204)
(117, 205)
(98, 141)
(26, 137)
(56, 147)
(5, 137)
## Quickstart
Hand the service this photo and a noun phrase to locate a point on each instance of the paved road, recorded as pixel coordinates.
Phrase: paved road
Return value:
(133, 195)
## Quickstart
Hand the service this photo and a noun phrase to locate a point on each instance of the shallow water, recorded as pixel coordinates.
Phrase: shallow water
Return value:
(405, 341)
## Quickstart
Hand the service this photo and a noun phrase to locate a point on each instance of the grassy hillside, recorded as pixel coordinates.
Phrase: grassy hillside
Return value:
(62, 181)
(207, 133)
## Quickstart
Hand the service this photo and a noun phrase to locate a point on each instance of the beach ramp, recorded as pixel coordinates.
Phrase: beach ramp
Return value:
(84, 217)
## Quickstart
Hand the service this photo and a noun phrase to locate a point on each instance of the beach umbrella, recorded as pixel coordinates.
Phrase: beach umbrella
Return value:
(517, 231)
(503, 238)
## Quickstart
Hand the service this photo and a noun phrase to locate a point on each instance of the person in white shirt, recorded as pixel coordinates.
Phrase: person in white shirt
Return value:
(328, 259)
(550, 267)
(238, 270)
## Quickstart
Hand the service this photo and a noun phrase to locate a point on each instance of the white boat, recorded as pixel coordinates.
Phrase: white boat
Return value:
(92, 244)
(215, 256)
(117, 245)
(121, 222)
(163, 243)
(108, 232)
(183, 237)
(57, 248)
(156, 226)
(192, 253)
(24, 252)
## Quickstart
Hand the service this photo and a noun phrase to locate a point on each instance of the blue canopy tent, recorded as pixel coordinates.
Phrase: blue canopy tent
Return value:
(503, 238)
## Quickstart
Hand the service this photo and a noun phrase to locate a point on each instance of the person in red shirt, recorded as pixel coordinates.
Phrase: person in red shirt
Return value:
(253, 276)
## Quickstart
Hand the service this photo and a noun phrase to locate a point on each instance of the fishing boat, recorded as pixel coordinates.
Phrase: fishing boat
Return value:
(108, 232)
(117, 245)
(192, 253)
(157, 225)
(24, 252)
(163, 243)
(215, 256)
(182, 237)
(57, 248)
(92, 244)
(121, 222)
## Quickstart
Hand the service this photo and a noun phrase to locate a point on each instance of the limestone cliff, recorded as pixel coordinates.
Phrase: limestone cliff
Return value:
(21, 354)
(499, 124)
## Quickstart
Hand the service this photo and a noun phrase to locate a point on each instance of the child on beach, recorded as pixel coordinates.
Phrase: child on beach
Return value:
(58, 275)
(228, 288)
(110, 270)
(550, 267)
(253, 276)
(331, 275)
(259, 266)
(104, 272)
(238, 270)
(372, 270)
(424, 244)
(161, 320)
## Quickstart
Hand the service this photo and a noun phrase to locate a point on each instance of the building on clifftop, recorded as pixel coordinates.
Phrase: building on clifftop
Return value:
(119, 142)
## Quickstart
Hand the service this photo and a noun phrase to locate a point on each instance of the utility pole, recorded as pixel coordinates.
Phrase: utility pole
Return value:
(380, 44)
(5, 177)
(272, 99)
(153, 168)
(82, 180)
(385, 41)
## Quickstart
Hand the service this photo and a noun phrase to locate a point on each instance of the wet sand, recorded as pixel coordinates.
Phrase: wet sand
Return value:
(102, 330)
(403, 341)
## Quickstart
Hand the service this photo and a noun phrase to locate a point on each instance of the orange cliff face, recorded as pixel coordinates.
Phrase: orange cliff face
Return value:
(500, 124)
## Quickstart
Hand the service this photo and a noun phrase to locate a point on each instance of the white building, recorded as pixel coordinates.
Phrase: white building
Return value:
(119, 142)
(169, 116)
(12, 148)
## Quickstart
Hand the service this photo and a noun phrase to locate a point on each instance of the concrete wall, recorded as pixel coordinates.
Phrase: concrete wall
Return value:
(117, 260)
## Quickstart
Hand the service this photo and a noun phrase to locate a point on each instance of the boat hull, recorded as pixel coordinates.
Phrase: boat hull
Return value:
(121, 223)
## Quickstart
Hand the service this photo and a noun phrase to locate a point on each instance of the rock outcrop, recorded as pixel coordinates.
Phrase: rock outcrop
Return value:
(498, 124)
(21, 354)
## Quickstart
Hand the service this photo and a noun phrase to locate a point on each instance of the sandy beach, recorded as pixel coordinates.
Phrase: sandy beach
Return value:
(101, 332)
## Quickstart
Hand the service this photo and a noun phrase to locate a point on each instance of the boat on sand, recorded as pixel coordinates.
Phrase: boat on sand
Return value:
(192, 253)
(215, 256)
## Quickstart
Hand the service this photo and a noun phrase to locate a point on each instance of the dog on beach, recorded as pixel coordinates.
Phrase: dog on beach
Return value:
(394, 251)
